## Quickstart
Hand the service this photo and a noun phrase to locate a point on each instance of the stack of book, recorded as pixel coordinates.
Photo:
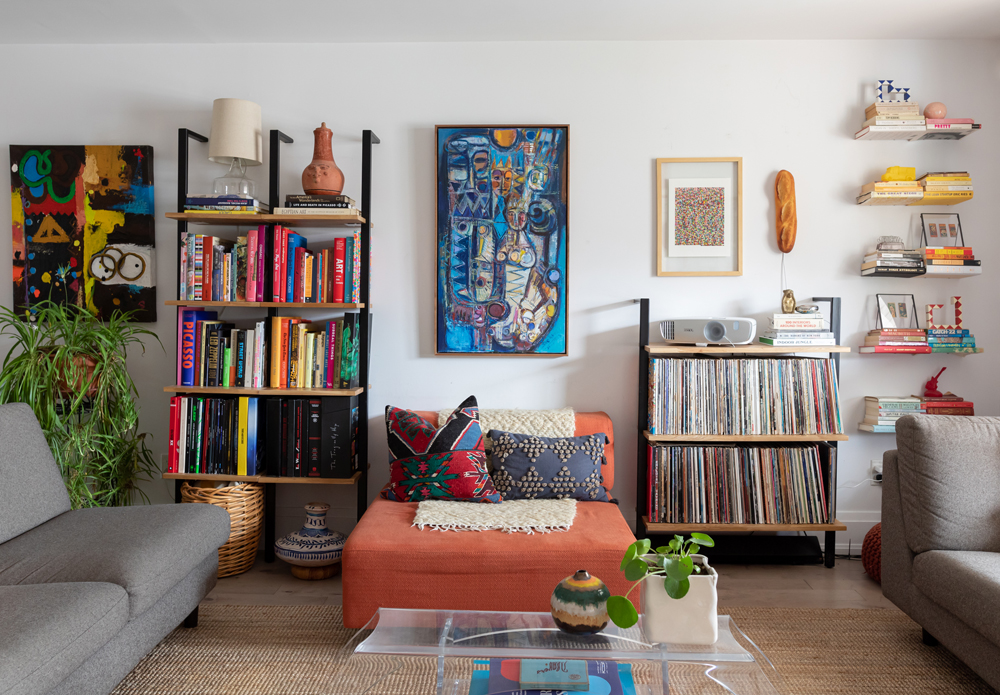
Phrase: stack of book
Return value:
(947, 129)
(951, 340)
(211, 204)
(273, 266)
(950, 261)
(895, 262)
(796, 329)
(890, 193)
(317, 205)
(945, 188)
(496, 677)
(912, 341)
(287, 354)
(881, 412)
(296, 437)
(893, 120)
(948, 404)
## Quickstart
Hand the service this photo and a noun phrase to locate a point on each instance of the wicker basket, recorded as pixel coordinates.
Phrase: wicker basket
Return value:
(245, 504)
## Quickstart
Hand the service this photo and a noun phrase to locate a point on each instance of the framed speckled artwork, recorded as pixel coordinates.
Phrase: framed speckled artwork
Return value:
(699, 216)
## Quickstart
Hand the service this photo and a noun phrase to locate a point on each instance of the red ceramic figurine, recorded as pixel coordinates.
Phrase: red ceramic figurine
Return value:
(323, 176)
(931, 388)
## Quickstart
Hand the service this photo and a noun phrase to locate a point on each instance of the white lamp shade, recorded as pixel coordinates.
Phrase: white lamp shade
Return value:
(236, 132)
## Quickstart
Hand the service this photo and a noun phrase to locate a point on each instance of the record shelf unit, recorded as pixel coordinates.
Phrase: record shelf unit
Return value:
(362, 220)
(739, 548)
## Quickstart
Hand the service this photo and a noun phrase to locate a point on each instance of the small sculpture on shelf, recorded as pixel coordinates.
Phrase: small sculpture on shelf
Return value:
(323, 176)
(931, 387)
(935, 109)
(787, 302)
(900, 174)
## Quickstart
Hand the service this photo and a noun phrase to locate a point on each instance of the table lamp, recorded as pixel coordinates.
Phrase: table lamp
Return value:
(235, 140)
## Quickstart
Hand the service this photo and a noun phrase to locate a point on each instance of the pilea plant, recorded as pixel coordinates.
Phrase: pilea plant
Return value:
(672, 561)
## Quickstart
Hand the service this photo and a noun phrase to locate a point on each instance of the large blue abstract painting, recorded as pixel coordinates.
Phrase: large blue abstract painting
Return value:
(502, 202)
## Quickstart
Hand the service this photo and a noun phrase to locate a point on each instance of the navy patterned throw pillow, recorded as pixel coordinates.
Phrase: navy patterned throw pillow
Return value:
(526, 466)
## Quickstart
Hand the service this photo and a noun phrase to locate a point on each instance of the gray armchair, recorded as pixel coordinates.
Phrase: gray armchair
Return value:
(941, 533)
(85, 594)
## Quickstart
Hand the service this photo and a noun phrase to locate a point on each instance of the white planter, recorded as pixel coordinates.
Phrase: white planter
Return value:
(693, 619)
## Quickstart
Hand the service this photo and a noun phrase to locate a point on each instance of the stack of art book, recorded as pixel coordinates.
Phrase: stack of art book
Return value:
(911, 341)
(212, 204)
(303, 204)
(881, 412)
(797, 329)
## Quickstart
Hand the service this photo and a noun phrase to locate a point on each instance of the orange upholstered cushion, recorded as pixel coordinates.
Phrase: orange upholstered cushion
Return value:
(389, 563)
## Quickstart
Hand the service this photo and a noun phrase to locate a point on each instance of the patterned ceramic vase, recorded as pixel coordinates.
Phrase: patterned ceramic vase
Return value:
(580, 604)
(312, 546)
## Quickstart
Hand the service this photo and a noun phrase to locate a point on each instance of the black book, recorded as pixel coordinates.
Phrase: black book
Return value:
(286, 409)
(331, 204)
(317, 198)
(240, 355)
(312, 441)
(272, 463)
(215, 346)
(301, 437)
(294, 425)
(337, 443)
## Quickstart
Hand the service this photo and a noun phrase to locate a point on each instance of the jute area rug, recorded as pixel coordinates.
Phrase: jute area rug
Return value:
(299, 649)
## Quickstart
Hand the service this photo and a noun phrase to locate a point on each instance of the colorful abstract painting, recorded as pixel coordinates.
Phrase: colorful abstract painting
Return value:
(83, 227)
(502, 202)
(698, 224)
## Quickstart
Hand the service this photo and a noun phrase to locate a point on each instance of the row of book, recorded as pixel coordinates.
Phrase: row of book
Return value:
(292, 437)
(902, 120)
(283, 352)
(797, 329)
(919, 341)
(736, 485)
(495, 677)
(933, 188)
(881, 412)
(743, 396)
(301, 204)
(272, 265)
(933, 261)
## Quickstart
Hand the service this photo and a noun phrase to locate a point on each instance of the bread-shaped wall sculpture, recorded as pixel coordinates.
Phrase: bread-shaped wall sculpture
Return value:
(784, 203)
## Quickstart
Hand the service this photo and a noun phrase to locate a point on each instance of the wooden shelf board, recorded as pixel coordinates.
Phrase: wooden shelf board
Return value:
(835, 525)
(753, 348)
(237, 391)
(744, 437)
(261, 478)
(251, 219)
(278, 305)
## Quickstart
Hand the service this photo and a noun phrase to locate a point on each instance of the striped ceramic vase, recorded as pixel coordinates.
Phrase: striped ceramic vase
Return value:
(580, 604)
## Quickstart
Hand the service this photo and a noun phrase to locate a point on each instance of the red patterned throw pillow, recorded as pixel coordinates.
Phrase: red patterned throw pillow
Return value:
(438, 464)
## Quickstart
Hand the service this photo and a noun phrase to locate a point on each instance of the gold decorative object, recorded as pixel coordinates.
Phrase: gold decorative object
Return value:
(787, 302)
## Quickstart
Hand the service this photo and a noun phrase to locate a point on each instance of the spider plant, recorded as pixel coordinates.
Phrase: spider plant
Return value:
(69, 367)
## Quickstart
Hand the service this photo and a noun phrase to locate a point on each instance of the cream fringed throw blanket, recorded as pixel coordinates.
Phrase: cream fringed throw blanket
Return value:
(541, 423)
(514, 516)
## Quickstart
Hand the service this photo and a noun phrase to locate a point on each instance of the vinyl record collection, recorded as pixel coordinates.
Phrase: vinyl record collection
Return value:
(736, 485)
(743, 396)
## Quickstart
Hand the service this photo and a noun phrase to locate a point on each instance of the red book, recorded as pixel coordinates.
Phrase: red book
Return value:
(299, 272)
(283, 373)
(328, 284)
(939, 405)
(898, 331)
(905, 349)
(172, 437)
(207, 245)
(339, 259)
(949, 121)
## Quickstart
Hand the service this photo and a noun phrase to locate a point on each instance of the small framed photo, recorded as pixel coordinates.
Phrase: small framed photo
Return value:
(941, 229)
(699, 220)
(896, 311)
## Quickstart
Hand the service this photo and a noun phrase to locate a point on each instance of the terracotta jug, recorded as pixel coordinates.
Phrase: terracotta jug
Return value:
(323, 176)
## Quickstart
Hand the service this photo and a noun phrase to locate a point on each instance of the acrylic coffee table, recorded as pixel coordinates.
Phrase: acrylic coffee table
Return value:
(411, 652)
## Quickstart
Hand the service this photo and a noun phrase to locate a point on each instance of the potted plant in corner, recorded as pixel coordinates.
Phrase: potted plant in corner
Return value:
(679, 597)
(69, 367)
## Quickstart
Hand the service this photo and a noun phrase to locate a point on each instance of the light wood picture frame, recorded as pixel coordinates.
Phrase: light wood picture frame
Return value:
(699, 216)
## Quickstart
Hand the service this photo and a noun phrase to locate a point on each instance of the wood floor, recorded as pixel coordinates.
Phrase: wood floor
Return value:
(785, 586)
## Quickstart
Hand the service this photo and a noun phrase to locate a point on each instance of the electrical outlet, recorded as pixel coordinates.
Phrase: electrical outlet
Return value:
(875, 472)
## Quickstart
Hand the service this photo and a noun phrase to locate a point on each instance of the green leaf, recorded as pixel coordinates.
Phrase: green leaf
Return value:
(674, 588)
(636, 570)
(688, 564)
(676, 570)
(622, 612)
(642, 547)
(703, 540)
(629, 556)
(664, 550)
(675, 545)
(694, 548)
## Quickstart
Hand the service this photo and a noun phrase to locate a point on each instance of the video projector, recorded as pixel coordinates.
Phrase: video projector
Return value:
(709, 331)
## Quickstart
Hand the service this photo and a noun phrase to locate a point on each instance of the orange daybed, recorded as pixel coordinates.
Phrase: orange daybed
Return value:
(389, 563)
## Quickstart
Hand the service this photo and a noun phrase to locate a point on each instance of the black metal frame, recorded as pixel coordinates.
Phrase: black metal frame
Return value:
(274, 198)
(764, 545)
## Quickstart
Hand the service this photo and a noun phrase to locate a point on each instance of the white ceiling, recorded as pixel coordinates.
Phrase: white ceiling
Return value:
(345, 21)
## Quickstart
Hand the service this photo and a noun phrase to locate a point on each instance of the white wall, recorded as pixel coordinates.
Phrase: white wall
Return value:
(780, 105)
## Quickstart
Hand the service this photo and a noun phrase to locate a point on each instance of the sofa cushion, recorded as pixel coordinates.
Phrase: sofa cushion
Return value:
(388, 562)
(949, 481)
(48, 630)
(32, 491)
(526, 466)
(145, 550)
(965, 583)
(437, 463)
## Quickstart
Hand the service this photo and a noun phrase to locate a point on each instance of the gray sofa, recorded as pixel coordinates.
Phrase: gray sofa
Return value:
(85, 594)
(941, 533)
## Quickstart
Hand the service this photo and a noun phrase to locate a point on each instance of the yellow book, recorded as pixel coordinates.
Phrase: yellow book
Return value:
(306, 369)
(241, 464)
(276, 352)
(307, 294)
(942, 198)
